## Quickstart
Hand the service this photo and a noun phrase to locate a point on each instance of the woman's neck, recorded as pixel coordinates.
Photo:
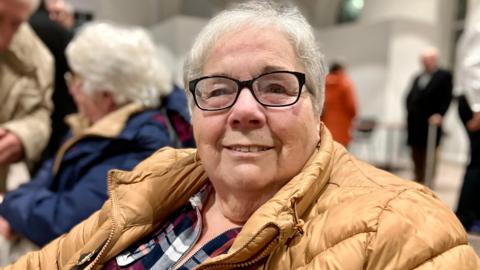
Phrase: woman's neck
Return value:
(236, 206)
(214, 223)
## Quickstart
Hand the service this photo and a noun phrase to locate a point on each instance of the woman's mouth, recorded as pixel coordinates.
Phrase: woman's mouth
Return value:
(248, 148)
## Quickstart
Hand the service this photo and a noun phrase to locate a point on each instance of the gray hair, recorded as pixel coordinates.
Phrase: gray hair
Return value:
(121, 60)
(284, 17)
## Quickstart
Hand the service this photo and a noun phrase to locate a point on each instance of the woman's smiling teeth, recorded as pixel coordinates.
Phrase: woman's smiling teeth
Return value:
(248, 148)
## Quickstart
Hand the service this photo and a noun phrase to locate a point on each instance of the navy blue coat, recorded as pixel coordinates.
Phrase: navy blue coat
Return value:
(51, 204)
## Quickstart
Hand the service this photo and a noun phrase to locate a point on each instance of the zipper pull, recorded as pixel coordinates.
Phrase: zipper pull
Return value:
(83, 261)
(298, 222)
(85, 258)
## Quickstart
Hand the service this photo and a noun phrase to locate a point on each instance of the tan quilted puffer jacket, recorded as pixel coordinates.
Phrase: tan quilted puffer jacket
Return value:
(26, 78)
(338, 213)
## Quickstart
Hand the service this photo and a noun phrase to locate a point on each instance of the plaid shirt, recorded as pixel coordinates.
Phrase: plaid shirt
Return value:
(178, 235)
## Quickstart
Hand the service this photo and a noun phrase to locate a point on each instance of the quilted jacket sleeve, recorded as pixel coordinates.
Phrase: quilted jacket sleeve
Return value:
(62, 253)
(91, 234)
(426, 236)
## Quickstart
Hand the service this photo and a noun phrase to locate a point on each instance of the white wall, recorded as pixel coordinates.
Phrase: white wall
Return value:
(407, 40)
(121, 11)
(177, 34)
(143, 12)
(415, 10)
(363, 48)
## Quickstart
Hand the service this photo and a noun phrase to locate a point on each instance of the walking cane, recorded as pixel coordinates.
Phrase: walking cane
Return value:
(430, 158)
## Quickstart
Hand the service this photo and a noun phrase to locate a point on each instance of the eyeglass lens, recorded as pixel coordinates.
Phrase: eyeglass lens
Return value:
(271, 89)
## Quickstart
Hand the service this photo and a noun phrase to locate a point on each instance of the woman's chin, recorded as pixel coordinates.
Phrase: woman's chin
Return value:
(251, 180)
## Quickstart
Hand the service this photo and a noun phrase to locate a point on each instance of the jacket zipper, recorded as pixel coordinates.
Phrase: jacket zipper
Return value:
(109, 239)
(112, 230)
(260, 256)
(266, 251)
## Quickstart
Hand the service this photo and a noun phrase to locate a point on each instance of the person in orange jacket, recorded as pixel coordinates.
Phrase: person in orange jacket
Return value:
(340, 104)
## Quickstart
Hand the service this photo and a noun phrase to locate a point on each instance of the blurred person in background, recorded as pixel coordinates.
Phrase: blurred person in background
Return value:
(467, 83)
(127, 110)
(61, 12)
(426, 103)
(56, 37)
(26, 69)
(340, 107)
(267, 188)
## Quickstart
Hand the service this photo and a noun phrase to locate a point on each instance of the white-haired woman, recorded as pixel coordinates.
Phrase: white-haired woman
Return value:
(267, 188)
(127, 110)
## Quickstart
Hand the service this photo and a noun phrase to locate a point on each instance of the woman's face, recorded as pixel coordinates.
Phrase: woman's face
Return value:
(249, 147)
(93, 106)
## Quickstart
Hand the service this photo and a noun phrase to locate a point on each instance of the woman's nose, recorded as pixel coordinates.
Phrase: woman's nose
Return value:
(247, 112)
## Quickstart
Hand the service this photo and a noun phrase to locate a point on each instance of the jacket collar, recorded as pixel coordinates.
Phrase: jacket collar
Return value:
(19, 60)
(110, 126)
(163, 187)
(19, 53)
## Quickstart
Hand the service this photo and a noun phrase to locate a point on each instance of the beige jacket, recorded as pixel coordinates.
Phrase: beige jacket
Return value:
(26, 77)
(337, 213)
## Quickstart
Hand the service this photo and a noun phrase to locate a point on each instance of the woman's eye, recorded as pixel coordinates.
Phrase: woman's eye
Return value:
(275, 89)
(219, 92)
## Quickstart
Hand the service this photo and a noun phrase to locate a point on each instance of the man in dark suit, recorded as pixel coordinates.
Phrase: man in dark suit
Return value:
(427, 102)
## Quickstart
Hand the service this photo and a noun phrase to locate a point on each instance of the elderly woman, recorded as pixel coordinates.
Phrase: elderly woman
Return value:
(117, 84)
(267, 188)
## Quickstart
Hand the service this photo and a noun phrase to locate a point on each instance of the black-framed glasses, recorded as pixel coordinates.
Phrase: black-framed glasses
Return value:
(272, 89)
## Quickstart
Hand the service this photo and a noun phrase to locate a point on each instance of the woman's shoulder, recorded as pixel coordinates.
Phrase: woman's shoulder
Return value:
(357, 186)
(365, 208)
(386, 229)
(419, 226)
